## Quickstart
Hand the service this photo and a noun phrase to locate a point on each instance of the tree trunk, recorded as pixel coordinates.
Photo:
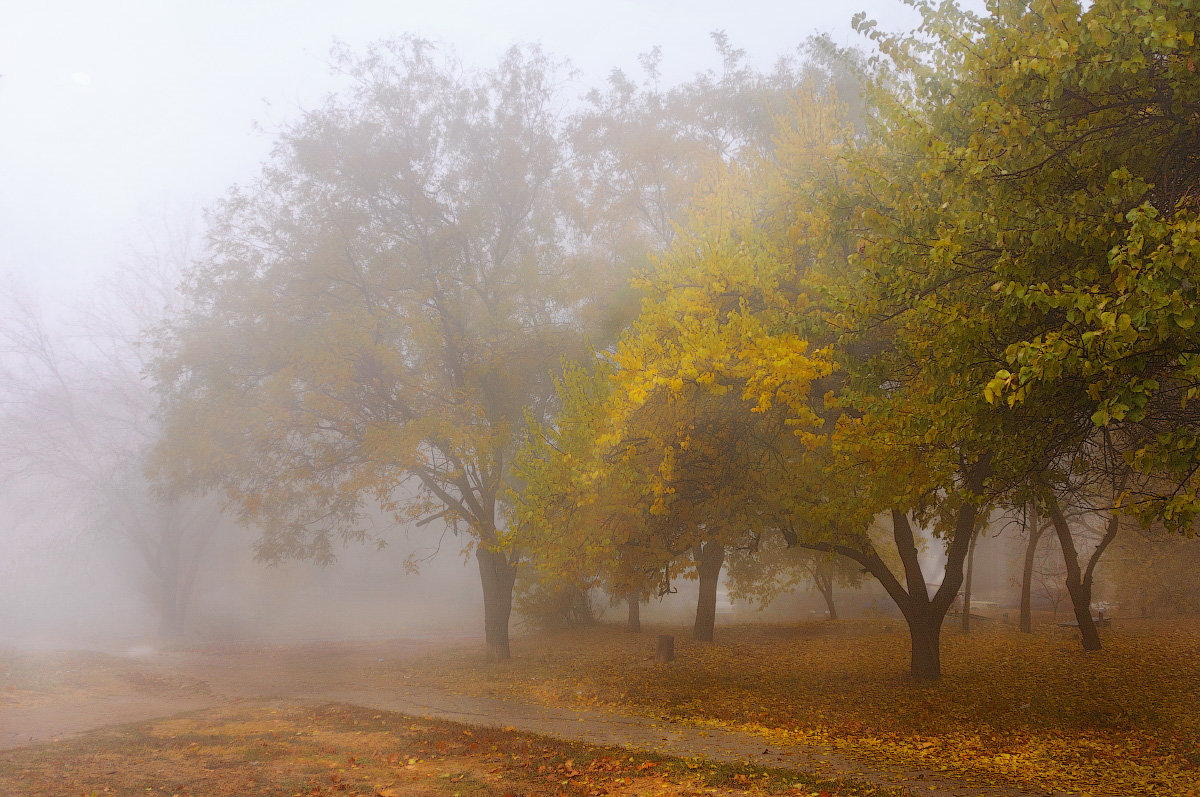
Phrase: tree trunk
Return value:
(923, 614)
(1079, 591)
(709, 558)
(925, 633)
(497, 576)
(966, 604)
(1035, 534)
(829, 605)
(634, 622)
(824, 581)
(173, 553)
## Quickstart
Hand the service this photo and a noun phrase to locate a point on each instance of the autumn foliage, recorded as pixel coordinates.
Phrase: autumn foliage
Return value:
(876, 299)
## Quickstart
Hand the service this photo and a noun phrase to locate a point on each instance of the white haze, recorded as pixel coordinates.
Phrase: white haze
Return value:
(117, 113)
(113, 110)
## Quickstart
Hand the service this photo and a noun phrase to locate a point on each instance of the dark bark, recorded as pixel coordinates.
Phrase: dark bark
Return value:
(924, 614)
(925, 634)
(823, 578)
(1035, 534)
(497, 575)
(634, 621)
(709, 557)
(966, 604)
(1110, 534)
(1078, 588)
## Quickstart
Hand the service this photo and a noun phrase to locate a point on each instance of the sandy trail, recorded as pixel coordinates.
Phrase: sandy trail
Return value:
(365, 674)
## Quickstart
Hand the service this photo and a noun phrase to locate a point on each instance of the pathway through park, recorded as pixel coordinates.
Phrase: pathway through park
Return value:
(371, 674)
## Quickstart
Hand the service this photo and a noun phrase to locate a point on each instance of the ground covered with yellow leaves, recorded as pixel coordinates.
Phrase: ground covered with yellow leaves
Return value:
(287, 748)
(1028, 711)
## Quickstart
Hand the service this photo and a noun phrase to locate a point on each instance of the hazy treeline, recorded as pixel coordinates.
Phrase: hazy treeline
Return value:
(843, 319)
(971, 300)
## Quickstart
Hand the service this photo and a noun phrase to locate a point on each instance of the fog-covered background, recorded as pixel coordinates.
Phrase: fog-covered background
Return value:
(123, 124)
(117, 111)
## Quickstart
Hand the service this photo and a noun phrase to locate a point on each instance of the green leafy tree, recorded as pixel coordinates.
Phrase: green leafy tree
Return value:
(769, 567)
(377, 312)
(644, 153)
(1037, 158)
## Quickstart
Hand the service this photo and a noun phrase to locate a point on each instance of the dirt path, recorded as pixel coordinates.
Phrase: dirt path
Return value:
(363, 674)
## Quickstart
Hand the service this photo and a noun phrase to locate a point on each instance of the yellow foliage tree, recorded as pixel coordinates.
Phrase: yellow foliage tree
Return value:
(709, 403)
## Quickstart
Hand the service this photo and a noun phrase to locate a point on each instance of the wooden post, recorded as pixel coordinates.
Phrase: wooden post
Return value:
(666, 649)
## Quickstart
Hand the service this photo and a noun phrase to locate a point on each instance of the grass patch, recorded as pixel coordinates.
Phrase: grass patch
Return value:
(1012, 709)
(281, 748)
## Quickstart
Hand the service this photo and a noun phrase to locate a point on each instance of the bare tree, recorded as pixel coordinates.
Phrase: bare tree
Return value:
(79, 417)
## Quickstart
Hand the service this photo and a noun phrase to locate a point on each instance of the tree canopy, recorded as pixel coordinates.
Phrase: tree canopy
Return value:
(380, 308)
(967, 285)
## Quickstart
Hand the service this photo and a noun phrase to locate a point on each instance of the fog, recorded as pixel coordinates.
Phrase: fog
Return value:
(115, 111)
(129, 124)
(63, 588)
(694, 386)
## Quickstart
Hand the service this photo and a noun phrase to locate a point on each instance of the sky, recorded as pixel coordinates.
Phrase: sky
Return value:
(119, 114)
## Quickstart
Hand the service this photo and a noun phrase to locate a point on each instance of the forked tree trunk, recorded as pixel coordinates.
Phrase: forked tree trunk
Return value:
(634, 621)
(829, 604)
(709, 558)
(966, 604)
(174, 577)
(823, 578)
(1079, 581)
(497, 576)
(924, 614)
(1035, 534)
(174, 555)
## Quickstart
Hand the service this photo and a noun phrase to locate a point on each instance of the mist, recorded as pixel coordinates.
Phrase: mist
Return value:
(766, 393)
(130, 133)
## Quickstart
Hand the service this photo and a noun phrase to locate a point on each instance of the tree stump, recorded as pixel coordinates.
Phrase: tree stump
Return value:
(666, 649)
